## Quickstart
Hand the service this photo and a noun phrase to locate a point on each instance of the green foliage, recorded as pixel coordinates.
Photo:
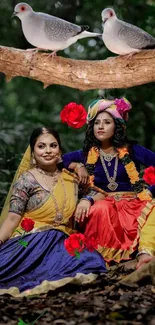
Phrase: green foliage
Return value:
(21, 322)
(24, 104)
(23, 243)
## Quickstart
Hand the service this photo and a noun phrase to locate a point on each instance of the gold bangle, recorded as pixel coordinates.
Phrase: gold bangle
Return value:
(78, 166)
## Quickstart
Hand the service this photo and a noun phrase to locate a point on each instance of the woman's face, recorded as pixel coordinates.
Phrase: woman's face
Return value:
(104, 126)
(46, 150)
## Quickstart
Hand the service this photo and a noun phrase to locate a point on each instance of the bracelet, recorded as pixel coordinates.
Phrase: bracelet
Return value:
(78, 165)
(1, 242)
(88, 198)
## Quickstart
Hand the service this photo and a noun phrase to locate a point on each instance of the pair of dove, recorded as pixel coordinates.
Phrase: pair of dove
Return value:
(48, 32)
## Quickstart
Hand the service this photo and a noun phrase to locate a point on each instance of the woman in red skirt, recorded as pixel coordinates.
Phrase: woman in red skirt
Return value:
(115, 214)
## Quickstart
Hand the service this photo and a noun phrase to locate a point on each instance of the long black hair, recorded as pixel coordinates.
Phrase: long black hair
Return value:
(118, 140)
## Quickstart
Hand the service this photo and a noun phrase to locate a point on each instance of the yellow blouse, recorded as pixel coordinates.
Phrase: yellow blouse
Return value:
(64, 198)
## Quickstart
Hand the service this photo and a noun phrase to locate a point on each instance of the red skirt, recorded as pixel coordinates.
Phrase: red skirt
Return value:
(116, 225)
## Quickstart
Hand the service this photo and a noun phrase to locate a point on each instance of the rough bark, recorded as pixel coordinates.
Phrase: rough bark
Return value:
(114, 72)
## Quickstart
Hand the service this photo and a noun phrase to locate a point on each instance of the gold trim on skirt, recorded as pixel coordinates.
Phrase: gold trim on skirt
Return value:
(46, 286)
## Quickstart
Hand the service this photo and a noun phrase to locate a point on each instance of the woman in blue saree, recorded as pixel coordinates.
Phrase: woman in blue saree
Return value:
(47, 195)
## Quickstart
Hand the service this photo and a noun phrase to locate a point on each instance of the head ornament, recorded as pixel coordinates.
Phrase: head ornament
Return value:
(118, 108)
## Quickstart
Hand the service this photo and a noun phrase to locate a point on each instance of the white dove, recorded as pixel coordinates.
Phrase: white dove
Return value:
(48, 32)
(123, 38)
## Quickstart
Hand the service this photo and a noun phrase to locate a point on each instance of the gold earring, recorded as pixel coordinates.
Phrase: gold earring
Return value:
(59, 159)
(33, 161)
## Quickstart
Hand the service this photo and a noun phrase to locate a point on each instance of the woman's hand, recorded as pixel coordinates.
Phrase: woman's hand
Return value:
(81, 171)
(83, 175)
(143, 259)
(82, 210)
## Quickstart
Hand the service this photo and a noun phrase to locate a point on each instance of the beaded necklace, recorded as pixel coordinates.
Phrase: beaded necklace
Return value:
(112, 180)
(107, 156)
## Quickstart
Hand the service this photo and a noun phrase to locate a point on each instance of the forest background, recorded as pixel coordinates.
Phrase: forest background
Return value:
(25, 105)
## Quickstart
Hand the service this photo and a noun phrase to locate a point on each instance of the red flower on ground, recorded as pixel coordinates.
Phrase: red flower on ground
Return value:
(27, 224)
(91, 243)
(74, 115)
(74, 244)
(149, 175)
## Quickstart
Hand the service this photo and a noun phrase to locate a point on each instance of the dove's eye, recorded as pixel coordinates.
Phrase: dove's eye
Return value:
(111, 13)
(22, 8)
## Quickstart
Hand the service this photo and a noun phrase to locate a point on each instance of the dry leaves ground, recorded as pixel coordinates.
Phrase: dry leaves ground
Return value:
(110, 300)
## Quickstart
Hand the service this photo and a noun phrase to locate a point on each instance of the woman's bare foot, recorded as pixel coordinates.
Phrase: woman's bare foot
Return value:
(143, 259)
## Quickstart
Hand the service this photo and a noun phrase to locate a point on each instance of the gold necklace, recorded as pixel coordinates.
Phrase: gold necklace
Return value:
(45, 172)
(112, 184)
(59, 213)
(54, 176)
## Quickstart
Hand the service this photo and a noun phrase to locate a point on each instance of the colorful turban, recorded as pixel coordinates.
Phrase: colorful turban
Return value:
(118, 108)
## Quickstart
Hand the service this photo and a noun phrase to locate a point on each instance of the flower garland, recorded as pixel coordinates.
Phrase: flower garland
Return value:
(92, 158)
(130, 168)
(133, 174)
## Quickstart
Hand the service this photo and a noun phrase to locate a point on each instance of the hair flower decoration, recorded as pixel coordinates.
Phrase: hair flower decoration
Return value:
(133, 174)
(123, 105)
(73, 115)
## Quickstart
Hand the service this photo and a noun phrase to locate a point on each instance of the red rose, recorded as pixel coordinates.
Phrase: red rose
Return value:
(74, 244)
(74, 115)
(91, 243)
(27, 224)
(149, 175)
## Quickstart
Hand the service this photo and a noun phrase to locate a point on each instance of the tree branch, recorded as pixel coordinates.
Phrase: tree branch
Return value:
(114, 72)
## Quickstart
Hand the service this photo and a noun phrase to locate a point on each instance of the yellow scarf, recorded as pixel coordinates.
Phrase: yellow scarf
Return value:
(44, 216)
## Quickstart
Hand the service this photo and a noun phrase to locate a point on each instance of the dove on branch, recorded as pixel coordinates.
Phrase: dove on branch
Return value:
(123, 38)
(48, 32)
